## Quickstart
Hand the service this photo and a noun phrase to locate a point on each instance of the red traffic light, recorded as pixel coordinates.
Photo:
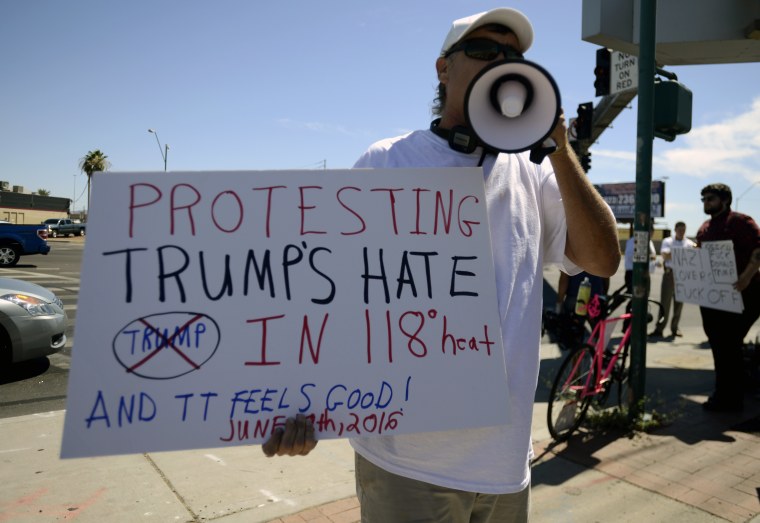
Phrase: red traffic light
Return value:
(602, 71)
(586, 162)
(584, 121)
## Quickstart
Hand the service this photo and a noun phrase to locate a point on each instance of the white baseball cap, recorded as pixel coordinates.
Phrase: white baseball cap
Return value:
(517, 22)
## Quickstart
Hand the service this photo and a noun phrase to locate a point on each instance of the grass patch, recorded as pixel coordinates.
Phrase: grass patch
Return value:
(618, 419)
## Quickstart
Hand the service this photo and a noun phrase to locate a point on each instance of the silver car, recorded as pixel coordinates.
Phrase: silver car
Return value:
(32, 321)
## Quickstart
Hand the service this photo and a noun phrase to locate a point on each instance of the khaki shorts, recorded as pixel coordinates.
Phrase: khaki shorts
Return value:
(389, 498)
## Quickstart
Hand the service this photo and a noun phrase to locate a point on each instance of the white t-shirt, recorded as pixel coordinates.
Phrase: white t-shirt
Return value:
(668, 243)
(527, 225)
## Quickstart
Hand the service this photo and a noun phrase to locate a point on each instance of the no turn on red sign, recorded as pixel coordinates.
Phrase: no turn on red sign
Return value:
(624, 72)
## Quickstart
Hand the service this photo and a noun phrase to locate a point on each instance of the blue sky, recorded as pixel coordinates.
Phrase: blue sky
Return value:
(234, 84)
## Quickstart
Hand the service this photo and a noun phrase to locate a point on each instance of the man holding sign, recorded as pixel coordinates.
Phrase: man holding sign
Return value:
(726, 330)
(538, 214)
(668, 287)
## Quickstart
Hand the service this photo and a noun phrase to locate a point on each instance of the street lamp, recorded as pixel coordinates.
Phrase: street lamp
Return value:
(165, 151)
(745, 192)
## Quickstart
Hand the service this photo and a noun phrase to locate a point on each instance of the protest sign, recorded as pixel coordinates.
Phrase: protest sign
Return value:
(706, 276)
(215, 305)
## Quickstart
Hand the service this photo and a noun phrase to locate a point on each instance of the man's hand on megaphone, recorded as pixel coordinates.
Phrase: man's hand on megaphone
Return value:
(559, 133)
(554, 145)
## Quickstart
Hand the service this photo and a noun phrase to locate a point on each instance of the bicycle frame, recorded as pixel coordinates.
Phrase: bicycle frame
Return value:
(599, 340)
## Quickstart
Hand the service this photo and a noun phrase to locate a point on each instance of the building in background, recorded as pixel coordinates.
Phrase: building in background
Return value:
(18, 206)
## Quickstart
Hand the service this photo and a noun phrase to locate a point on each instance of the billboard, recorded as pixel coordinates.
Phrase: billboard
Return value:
(621, 197)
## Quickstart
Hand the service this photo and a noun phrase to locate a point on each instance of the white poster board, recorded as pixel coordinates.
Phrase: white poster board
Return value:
(214, 305)
(706, 276)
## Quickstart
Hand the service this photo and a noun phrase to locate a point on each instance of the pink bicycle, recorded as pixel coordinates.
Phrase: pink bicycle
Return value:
(588, 374)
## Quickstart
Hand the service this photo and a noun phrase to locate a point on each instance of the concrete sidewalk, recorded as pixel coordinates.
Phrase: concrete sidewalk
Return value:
(701, 467)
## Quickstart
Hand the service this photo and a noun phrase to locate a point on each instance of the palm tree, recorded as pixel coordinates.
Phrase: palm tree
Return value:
(92, 162)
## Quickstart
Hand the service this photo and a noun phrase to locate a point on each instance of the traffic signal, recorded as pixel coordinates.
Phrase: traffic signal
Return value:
(584, 120)
(672, 110)
(586, 162)
(602, 71)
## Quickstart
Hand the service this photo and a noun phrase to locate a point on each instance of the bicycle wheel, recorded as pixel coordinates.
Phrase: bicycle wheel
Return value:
(566, 407)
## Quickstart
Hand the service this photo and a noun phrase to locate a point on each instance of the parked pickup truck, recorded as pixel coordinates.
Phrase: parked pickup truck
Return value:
(21, 240)
(63, 227)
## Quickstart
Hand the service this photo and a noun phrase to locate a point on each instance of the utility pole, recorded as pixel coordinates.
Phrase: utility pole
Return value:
(643, 209)
(164, 151)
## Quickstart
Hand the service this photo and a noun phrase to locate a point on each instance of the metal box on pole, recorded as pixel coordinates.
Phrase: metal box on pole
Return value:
(672, 109)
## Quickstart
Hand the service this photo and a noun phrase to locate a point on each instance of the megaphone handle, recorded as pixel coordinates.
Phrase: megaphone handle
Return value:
(541, 151)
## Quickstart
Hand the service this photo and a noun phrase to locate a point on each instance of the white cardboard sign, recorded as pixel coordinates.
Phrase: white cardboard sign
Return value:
(214, 305)
(706, 276)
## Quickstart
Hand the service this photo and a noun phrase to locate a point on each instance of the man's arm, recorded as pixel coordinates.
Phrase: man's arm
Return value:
(592, 241)
(665, 249)
(749, 271)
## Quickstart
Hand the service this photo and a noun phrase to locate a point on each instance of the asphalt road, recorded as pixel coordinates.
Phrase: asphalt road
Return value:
(40, 385)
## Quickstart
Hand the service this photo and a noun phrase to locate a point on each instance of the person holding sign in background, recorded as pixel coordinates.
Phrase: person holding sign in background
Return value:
(726, 330)
(668, 286)
(538, 214)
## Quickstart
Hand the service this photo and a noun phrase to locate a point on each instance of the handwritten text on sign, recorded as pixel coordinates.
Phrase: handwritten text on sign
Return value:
(706, 276)
(216, 305)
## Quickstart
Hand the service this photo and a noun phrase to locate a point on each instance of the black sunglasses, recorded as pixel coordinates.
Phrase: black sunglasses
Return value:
(709, 198)
(484, 49)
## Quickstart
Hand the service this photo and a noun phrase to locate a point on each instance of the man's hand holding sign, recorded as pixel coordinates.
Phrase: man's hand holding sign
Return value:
(296, 439)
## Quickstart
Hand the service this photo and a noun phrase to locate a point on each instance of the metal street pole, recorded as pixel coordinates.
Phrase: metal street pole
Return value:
(645, 139)
(164, 151)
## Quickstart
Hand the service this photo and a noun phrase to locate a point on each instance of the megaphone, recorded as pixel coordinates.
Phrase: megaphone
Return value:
(513, 106)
